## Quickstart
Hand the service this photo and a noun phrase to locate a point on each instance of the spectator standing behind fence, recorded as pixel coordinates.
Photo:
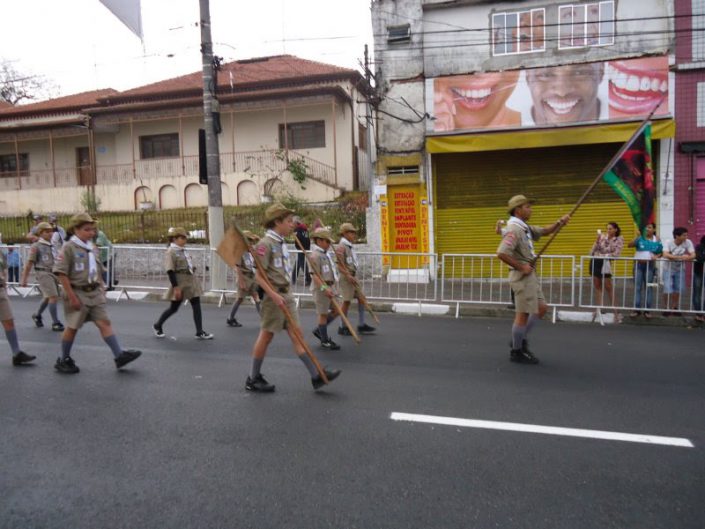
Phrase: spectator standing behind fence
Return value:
(105, 246)
(184, 284)
(698, 293)
(676, 251)
(301, 233)
(648, 248)
(14, 263)
(606, 246)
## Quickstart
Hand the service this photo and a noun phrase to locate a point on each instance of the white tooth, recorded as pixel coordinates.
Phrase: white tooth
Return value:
(620, 80)
(655, 84)
(633, 83)
(475, 94)
(664, 86)
(645, 84)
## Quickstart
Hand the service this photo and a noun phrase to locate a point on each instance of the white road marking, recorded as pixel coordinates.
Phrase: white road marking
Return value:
(549, 430)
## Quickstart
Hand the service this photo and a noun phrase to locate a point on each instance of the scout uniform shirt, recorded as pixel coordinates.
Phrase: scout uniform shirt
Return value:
(41, 254)
(73, 262)
(345, 250)
(518, 241)
(323, 263)
(274, 255)
(178, 260)
(246, 271)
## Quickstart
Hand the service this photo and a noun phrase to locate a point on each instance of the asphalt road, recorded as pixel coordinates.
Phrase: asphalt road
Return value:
(175, 441)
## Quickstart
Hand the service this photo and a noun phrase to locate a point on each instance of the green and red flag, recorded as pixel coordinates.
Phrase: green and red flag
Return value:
(632, 178)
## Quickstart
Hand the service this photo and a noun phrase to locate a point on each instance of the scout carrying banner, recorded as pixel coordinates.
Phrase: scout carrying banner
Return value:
(632, 178)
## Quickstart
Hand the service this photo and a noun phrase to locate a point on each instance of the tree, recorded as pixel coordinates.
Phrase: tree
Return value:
(16, 86)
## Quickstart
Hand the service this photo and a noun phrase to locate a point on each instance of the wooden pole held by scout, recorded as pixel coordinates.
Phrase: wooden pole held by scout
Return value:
(599, 177)
(358, 291)
(333, 301)
(231, 249)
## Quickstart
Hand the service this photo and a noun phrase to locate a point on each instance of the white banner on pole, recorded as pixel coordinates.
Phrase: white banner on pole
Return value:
(129, 12)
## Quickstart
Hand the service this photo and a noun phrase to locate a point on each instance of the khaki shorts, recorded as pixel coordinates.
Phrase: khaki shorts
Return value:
(189, 285)
(322, 302)
(92, 309)
(250, 288)
(48, 284)
(527, 294)
(5, 310)
(347, 289)
(272, 318)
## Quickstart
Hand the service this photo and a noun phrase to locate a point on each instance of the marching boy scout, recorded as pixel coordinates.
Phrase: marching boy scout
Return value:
(517, 250)
(273, 255)
(323, 291)
(8, 323)
(41, 256)
(246, 284)
(347, 265)
(79, 271)
(184, 285)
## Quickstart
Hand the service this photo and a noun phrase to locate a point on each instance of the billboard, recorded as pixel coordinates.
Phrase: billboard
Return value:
(556, 95)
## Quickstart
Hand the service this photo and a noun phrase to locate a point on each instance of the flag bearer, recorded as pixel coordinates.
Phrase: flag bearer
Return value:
(246, 284)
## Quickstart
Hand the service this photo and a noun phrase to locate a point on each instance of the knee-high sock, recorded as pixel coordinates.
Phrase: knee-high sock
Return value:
(66, 349)
(256, 366)
(42, 306)
(114, 345)
(168, 313)
(309, 365)
(13, 341)
(518, 335)
(236, 306)
(360, 313)
(533, 320)
(323, 329)
(52, 312)
(197, 315)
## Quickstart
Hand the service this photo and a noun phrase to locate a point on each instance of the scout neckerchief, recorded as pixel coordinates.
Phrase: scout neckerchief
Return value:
(347, 243)
(186, 256)
(92, 266)
(249, 261)
(524, 226)
(285, 250)
(47, 243)
(329, 254)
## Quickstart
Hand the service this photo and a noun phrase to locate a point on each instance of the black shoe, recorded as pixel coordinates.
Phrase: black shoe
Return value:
(66, 366)
(37, 319)
(126, 357)
(158, 331)
(523, 356)
(317, 382)
(259, 383)
(330, 344)
(317, 334)
(203, 335)
(22, 358)
(344, 331)
(233, 322)
(58, 326)
(365, 329)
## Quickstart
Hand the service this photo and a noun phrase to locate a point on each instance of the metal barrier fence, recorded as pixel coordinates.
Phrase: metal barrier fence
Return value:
(628, 284)
(482, 279)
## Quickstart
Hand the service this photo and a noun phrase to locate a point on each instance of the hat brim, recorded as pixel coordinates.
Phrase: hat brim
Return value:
(529, 201)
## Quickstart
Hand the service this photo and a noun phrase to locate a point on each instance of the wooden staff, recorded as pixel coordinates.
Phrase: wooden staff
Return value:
(360, 296)
(295, 334)
(599, 177)
(333, 301)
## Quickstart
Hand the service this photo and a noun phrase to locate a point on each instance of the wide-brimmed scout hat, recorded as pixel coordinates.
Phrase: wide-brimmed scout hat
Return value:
(276, 211)
(80, 219)
(250, 236)
(44, 226)
(516, 201)
(346, 227)
(177, 232)
(322, 233)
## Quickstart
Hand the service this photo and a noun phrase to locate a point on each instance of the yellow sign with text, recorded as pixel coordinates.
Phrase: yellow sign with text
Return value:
(407, 224)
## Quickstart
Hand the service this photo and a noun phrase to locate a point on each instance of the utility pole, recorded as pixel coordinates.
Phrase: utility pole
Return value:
(216, 222)
(368, 119)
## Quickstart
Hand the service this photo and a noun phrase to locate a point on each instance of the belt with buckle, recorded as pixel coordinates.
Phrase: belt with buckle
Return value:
(283, 290)
(89, 288)
(41, 269)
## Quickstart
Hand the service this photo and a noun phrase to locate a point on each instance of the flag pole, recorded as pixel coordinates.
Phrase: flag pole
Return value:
(599, 177)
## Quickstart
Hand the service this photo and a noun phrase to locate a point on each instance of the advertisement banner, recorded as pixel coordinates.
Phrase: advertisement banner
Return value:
(558, 95)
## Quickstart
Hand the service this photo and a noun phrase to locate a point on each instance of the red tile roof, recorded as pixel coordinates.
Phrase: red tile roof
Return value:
(66, 104)
(262, 71)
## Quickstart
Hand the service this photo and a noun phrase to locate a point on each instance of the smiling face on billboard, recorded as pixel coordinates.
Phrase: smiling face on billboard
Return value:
(565, 94)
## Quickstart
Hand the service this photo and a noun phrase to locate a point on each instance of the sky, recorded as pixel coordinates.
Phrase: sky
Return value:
(80, 45)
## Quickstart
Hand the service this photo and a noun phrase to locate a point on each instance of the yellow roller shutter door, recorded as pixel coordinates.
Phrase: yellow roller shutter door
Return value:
(471, 192)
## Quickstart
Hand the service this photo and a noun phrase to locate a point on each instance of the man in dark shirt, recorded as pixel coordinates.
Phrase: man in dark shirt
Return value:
(301, 233)
(698, 282)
